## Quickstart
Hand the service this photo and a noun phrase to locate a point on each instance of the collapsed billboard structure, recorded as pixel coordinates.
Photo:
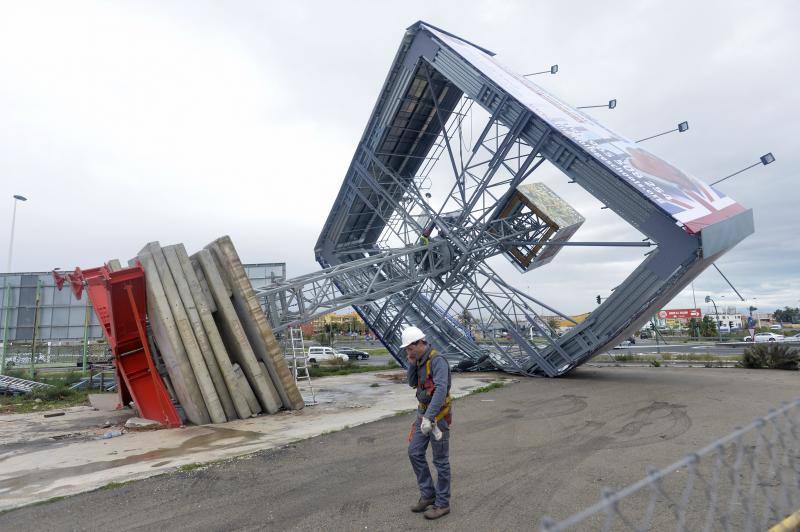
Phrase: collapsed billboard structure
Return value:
(425, 203)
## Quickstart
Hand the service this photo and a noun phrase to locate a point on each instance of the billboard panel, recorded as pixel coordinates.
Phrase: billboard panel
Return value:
(689, 201)
(680, 313)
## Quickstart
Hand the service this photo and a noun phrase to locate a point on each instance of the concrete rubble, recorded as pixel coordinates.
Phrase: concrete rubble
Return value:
(221, 358)
(138, 423)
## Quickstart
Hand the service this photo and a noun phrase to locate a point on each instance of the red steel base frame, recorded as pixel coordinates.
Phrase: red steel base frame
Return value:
(120, 303)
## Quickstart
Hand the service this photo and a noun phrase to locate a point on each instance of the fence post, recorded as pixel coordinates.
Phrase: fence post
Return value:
(35, 328)
(7, 309)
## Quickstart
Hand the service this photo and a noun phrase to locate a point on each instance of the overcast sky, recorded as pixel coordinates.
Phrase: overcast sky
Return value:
(128, 122)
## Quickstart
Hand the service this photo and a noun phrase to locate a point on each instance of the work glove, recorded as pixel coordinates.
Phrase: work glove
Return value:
(437, 432)
(425, 426)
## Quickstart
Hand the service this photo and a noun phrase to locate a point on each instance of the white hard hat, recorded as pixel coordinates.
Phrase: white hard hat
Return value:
(411, 335)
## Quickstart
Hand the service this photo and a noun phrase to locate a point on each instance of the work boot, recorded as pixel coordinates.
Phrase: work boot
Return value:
(436, 513)
(422, 505)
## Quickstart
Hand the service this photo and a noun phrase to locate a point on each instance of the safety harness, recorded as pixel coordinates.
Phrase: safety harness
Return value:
(429, 387)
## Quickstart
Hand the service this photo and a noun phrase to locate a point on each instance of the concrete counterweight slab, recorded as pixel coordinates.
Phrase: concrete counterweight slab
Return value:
(205, 310)
(170, 346)
(198, 364)
(203, 342)
(252, 316)
(234, 335)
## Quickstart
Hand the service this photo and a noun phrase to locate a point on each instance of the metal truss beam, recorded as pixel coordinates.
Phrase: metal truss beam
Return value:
(437, 85)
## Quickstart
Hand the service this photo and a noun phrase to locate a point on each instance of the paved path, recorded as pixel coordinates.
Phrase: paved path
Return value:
(540, 445)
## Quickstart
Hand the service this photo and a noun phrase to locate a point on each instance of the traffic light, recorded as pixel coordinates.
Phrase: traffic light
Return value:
(599, 300)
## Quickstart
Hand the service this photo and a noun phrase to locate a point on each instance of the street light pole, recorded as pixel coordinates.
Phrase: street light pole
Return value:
(716, 317)
(7, 302)
(17, 199)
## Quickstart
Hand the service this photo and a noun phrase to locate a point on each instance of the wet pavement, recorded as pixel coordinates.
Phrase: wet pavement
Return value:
(539, 446)
(42, 458)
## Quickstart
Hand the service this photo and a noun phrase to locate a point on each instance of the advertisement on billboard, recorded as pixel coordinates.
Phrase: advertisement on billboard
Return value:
(688, 200)
(680, 313)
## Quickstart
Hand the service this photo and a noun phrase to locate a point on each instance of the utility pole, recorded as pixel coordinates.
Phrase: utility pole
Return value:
(7, 302)
(7, 308)
(655, 334)
(716, 317)
(86, 340)
(35, 328)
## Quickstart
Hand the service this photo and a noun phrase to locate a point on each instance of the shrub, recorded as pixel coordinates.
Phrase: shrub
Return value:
(52, 393)
(772, 356)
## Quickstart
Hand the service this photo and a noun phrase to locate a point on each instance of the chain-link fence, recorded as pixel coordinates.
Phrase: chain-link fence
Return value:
(18, 354)
(747, 480)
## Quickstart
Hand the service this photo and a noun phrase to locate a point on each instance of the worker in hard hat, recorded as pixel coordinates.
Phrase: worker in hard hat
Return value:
(429, 373)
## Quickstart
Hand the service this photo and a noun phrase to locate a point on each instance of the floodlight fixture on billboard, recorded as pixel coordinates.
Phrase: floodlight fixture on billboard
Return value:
(553, 70)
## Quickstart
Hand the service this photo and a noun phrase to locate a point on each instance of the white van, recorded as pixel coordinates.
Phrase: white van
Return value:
(319, 353)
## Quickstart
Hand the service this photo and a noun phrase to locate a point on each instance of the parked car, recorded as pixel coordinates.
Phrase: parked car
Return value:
(795, 338)
(354, 354)
(625, 343)
(644, 335)
(765, 337)
(776, 327)
(319, 353)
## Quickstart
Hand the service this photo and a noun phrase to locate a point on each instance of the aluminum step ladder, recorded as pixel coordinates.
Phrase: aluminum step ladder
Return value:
(297, 350)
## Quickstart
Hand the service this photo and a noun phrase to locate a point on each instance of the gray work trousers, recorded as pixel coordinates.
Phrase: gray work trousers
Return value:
(417, 448)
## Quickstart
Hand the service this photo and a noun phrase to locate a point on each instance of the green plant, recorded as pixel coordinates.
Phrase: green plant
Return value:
(708, 327)
(17, 373)
(772, 356)
(115, 485)
(191, 467)
(488, 387)
(655, 363)
(53, 393)
(61, 379)
(346, 369)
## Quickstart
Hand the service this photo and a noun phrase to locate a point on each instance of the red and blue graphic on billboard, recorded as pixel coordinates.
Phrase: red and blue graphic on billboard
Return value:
(691, 202)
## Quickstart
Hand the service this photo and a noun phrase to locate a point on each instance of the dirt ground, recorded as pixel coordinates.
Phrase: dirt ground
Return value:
(536, 447)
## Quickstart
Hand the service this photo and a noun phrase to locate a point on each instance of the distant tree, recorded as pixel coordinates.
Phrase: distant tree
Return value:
(708, 327)
(552, 322)
(787, 315)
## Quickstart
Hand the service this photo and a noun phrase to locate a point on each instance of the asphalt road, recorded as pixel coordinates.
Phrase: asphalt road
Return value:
(538, 446)
(702, 349)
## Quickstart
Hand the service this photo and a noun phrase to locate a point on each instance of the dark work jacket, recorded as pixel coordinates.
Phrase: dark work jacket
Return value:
(441, 379)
